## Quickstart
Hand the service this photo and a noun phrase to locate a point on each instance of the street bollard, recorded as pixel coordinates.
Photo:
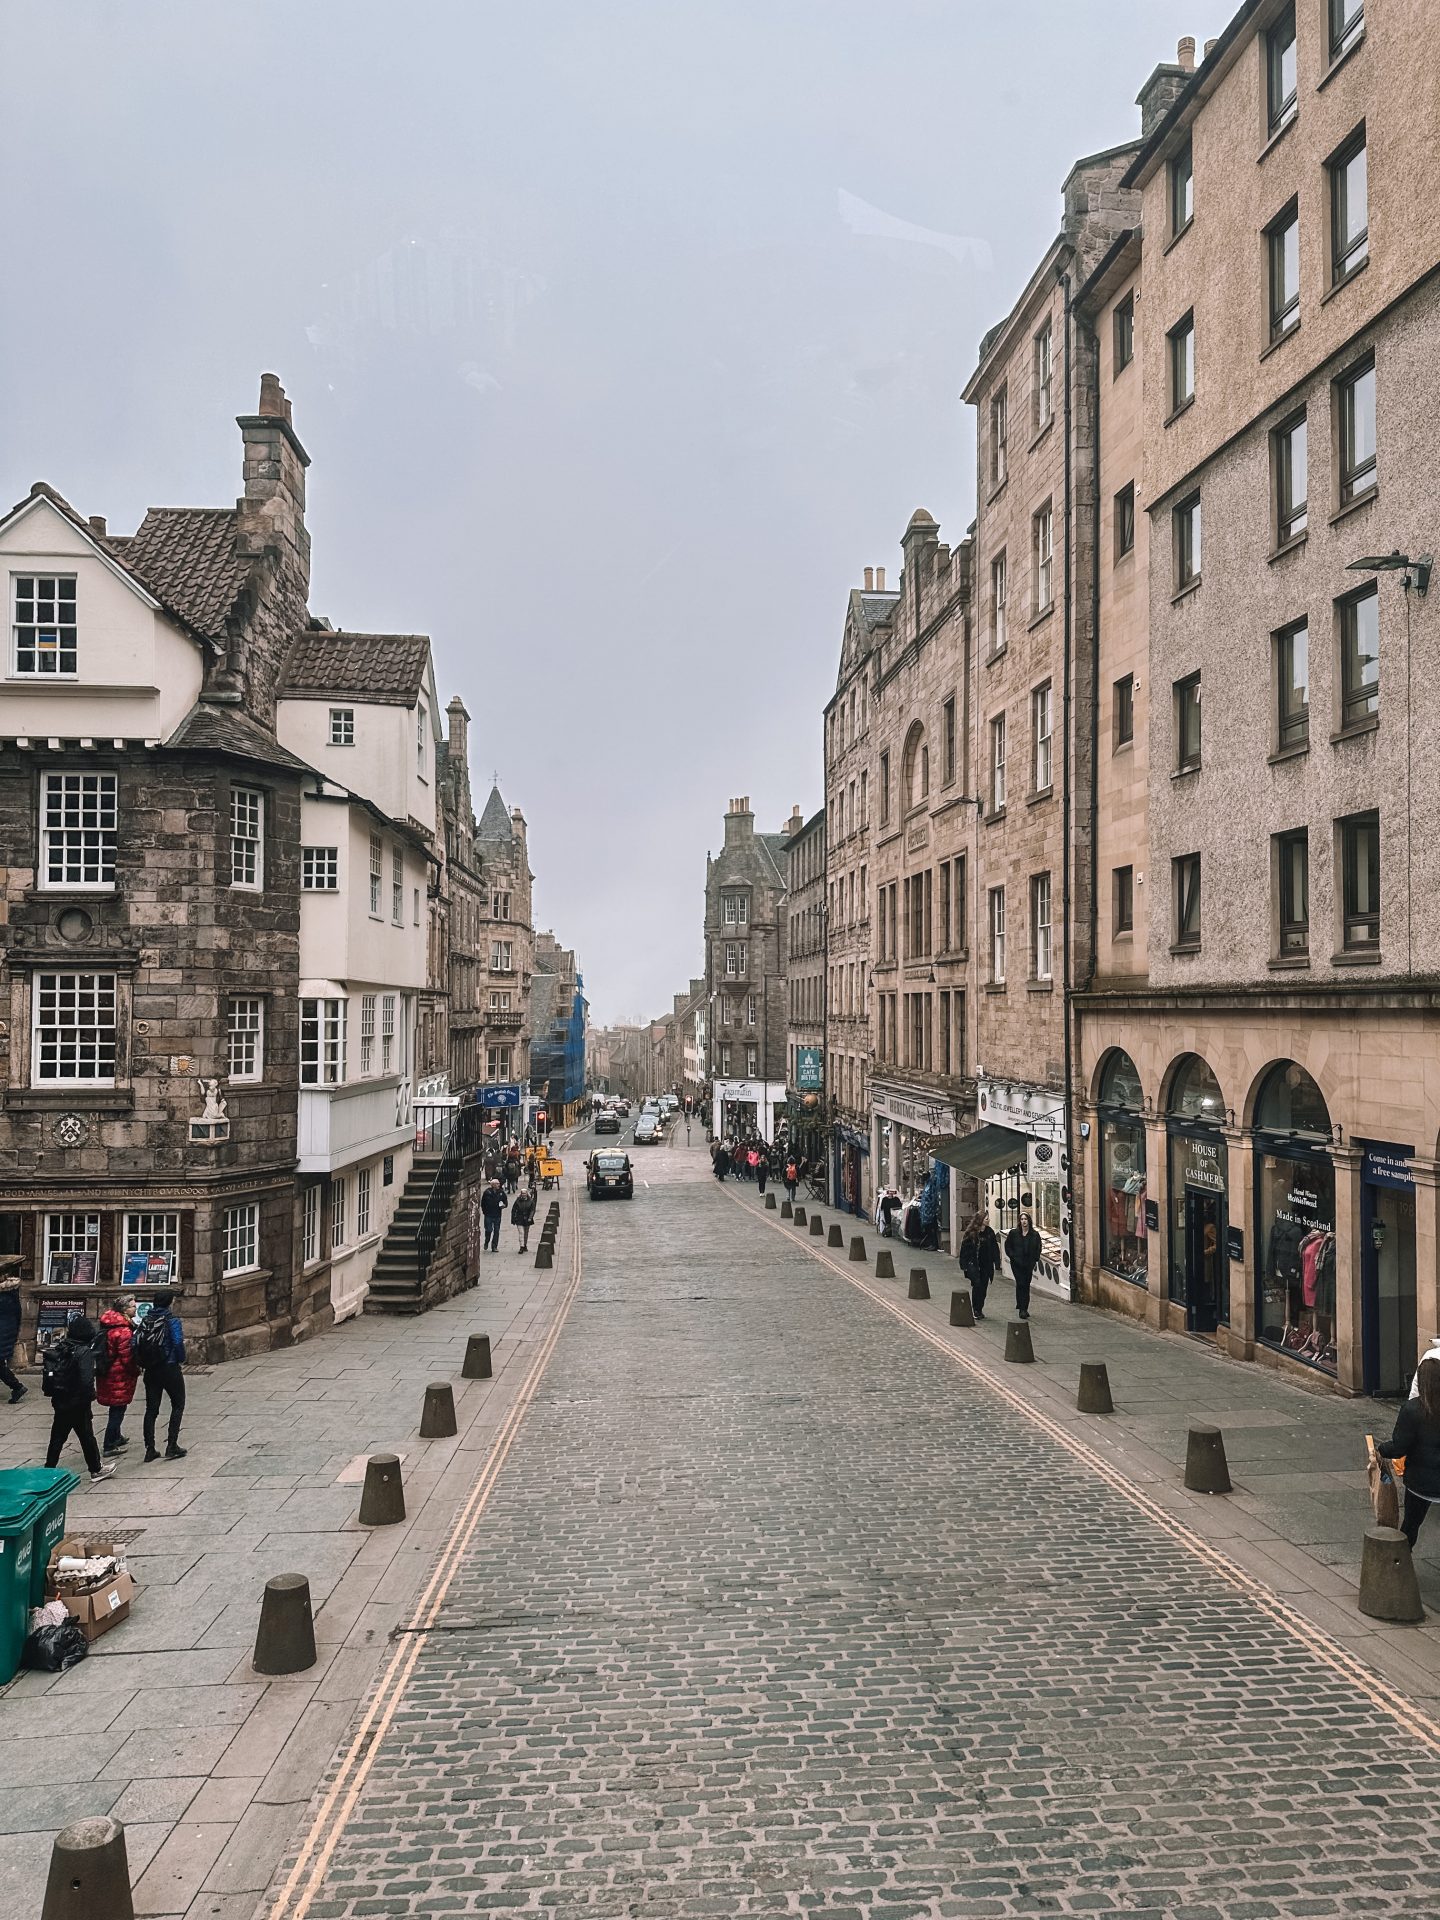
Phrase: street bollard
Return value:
(817, 1227)
(1206, 1470)
(1094, 1394)
(798, 1216)
(437, 1417)
(285, 1638)
(884, 1264)
(543, 1256)
(382, 1504)
(477, 1358)
(919, 1288)
(1017, 1342)
(857, 1247)
(770, 1203)
(1388, 1587)
(787, 1212)
(962, 1310)
(837, 1237)
(89, 1873)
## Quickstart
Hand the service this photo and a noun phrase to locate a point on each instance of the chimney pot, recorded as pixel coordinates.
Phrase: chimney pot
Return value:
(1210, 46)
(1186, 53)
(272, 397)
(97, 524)
(880, 579)
(869, 579)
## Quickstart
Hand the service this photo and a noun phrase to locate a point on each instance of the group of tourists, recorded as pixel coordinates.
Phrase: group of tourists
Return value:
(744, 1159)
(979, 1256)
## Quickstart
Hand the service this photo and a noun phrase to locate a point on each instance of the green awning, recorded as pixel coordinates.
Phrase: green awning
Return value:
(987, 1150)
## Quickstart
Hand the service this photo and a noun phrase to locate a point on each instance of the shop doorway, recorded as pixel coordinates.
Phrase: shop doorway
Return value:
(1389, 1342)
(1206, 1274)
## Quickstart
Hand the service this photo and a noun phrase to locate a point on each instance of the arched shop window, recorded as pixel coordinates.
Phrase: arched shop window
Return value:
(1195, 1093)
(1124, 1239)
(1199, 1266)
(1295, 1217)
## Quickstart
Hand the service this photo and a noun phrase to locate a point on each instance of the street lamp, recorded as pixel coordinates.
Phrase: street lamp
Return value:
(1417, 572)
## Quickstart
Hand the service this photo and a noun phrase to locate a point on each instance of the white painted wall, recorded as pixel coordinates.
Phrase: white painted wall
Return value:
(384, 764)
(340, 939)
(138, 674)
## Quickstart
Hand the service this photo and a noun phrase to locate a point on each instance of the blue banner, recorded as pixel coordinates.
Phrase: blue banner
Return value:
(499, 1096)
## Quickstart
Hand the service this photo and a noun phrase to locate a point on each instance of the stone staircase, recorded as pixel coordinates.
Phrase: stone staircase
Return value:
(395, 1285)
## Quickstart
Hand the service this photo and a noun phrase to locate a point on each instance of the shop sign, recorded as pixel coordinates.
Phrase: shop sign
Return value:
(920, 1115)
(500, 1096)
(1152, 1216)
(1388, 1167)
(1204, 1163)
(1027, 1109)
(1044, 1161)
(54, 1317)
(1235, 1243)
(809, 1069)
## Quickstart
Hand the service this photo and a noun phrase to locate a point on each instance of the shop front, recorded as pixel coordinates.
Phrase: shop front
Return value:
(1199, 1225)
(1120, 1138)
(747, 1109)
(1388, 1275)
(1034, 1178)
(907, 1124)
(850, 1153)
(1295, 1307)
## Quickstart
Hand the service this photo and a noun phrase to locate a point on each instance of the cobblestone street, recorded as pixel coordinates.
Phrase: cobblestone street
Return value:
(774, 1607)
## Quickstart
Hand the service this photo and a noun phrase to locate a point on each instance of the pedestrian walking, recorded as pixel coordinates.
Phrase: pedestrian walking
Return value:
(522, 1215)
(492, 1206)
(1417, 1438)
(792, 1179)
(67, 1380)
(1023, 1249)
(158, 1345)
(722, 1163)
(979, 1259)
(762, 1169)
(9, 1334)
(117, 1372)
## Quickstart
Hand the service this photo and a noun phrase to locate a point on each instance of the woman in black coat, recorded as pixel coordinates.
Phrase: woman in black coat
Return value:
(9, 1334)
(979, 1260)
(1417, 1437)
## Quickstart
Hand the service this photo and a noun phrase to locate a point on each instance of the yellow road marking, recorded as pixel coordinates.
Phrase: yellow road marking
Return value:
(1316, 1641)
(330, 1818)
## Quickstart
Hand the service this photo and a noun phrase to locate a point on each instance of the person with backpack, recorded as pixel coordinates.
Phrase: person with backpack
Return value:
(792, 1178)
(159, 1350)
(117, 1373)
(522, 1217)
(67, 1379)
(9, 1334)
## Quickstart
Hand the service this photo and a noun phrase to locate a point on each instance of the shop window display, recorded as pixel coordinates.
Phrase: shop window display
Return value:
(1295, 1217)
(1124, 1241)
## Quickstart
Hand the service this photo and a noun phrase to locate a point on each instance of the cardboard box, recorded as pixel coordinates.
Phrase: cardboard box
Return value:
(103, 1607)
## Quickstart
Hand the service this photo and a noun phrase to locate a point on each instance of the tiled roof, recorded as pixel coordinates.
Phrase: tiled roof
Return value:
(187, 558)
(386, 667)
(876, 608)
(218, 729)
(495, 823)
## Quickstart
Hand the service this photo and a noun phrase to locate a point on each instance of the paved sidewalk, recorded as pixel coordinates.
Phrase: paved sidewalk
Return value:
(1297, 1517)
(166, 1725)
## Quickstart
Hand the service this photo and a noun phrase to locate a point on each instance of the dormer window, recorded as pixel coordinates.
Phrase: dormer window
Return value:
(342, 726)
(45, 623)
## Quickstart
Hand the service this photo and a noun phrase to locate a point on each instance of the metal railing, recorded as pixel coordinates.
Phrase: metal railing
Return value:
(462, 1137)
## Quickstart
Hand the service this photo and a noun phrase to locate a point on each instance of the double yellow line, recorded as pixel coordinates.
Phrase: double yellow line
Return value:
(1323, 1646)
(328, 1821)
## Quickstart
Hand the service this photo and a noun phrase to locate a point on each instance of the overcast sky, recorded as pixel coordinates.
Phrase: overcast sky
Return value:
(621, 333)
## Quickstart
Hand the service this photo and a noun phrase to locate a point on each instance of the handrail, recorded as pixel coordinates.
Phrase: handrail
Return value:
(462, 1136)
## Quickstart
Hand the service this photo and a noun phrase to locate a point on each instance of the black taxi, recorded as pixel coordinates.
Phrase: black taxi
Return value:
(608, 1173)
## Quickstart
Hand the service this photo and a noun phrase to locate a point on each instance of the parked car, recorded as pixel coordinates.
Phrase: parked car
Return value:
(609, 1172)
(607, 1121)
(647, 1130)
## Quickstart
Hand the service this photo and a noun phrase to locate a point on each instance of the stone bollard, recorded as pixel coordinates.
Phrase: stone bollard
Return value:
(285, 1638)
(1388, 1587)
(884, 1264)
(770, 1203)
(857, 1247)
(919, 1288)
(477, 1358)
(817, 1227)
(787, 1212)
(543, 1255)
(836, 1237)
(437, 1417)
(1094, 1394)
(1017, 1342)
(798, 1216)
(962, 1311)
(89, 1873)
(382, 1503)
(1205, 1467)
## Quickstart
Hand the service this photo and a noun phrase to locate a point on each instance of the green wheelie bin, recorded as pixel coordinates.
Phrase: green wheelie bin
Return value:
(17, 1545)
(46, 1489)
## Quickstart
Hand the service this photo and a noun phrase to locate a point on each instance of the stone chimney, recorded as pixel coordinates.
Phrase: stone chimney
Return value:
(739, 823)
(457, 731)
(869, 579)
(1163, 88)
(793, 825)
(880, 579)
(272, 509)
(1210, 46)
(97, 525)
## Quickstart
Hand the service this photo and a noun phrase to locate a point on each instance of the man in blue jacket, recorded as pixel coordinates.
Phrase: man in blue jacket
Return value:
(160, 1349)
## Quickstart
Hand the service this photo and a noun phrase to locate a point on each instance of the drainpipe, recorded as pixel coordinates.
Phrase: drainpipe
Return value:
(1065, 807)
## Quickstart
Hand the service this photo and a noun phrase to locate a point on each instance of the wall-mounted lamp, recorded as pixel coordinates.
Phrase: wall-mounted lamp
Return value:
(1417, 572)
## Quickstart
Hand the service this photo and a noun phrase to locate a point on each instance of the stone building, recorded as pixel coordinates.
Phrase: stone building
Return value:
(467, 906)
(805, 987)
(557, 1048)
(150, 836)
(1033, 394)
(848, 1038)
(922, 851)
(506, 937)
(1259, 1062)
(745, 976)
